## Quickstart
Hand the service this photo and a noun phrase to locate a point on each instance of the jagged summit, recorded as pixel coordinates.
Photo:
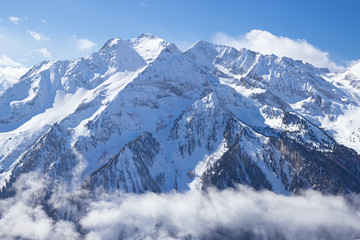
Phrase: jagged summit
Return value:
(111, 42)
(141, 115)
(114, 41)
(149, 36)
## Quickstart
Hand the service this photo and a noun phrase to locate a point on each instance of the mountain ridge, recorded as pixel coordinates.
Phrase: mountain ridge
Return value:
(192, 112)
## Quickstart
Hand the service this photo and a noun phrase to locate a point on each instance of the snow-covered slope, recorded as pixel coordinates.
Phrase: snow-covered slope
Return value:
(141, 115)
(346, 127)
(331, 101)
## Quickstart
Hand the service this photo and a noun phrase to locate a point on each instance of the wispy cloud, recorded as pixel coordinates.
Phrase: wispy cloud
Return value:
(7, 61)
(267, 43)
(84, 44)
(15, 20)
(35, 35)
(38, 36)
(142, 4)
(44, 21)
(44, 52)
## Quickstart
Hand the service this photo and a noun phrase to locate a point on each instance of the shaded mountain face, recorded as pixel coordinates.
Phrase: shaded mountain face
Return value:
(140, 115)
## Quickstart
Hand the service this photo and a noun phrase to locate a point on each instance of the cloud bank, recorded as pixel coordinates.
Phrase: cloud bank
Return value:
(240, 213)
(267, 43)
(23, 216)
(229, 214)
(10, 72)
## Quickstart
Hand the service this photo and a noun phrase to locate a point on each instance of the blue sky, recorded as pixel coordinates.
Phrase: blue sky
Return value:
(32, 31)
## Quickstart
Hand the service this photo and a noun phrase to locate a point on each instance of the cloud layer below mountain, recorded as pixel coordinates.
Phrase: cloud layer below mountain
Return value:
(228, 214)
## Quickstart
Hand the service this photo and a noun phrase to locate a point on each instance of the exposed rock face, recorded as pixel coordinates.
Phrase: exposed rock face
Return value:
(129, 169)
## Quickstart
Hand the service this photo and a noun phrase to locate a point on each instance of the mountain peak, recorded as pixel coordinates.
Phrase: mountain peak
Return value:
(148, 35)
(112, 42)
(149, 46)
(202, 43)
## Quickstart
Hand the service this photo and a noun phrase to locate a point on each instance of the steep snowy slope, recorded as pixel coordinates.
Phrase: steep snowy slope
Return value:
(125, 94)
(141, 115)
(51, 91)
(282, 83)
(230, 152)
(346, 128)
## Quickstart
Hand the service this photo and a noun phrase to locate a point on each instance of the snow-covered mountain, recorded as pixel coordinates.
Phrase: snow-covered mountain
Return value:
(140, 115)
(346, 128)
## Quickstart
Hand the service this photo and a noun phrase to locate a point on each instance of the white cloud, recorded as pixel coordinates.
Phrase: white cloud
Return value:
(10, 72)
(15, 20)
(354, 64)
(142, 4)
(84, 44)
(267, 43)
(35, 35)
(227, 214)
(7, 61)
(38, 36)
(44, 21)
(44, 52)
(22, 216)
(10, 75)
